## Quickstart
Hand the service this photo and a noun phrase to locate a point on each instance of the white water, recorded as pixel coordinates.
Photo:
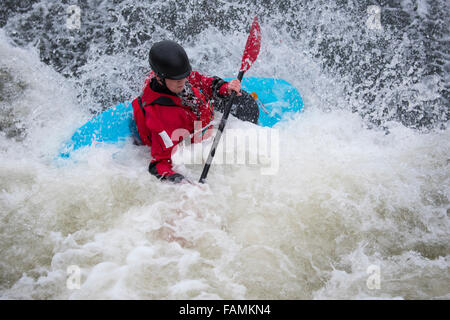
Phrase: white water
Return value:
(346, 199)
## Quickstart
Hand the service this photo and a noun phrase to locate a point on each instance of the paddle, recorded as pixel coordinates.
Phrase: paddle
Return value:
(251, 51)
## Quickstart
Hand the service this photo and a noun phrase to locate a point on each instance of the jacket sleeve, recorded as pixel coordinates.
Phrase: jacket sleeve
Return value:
(211, 86)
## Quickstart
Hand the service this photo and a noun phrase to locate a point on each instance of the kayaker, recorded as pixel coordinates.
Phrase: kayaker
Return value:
(173, 99)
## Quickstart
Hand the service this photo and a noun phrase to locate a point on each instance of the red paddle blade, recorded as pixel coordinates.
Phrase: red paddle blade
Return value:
(252, 46)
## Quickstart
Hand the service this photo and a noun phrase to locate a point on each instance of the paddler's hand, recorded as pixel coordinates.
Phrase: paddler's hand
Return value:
(234, 85)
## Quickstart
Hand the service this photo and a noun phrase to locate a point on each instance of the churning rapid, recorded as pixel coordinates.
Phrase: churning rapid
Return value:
(358, 206)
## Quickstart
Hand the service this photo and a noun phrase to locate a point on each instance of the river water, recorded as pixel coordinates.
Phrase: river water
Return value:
(357, 208)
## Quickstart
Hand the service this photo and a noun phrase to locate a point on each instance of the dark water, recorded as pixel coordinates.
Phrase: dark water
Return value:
(399, 72)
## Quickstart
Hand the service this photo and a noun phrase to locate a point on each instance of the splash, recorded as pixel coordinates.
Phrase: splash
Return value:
(354, 211)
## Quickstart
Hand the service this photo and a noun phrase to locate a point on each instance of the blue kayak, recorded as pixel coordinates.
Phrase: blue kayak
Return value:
(277, 100)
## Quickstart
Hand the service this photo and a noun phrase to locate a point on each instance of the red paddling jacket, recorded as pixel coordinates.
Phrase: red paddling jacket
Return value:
(163, 118)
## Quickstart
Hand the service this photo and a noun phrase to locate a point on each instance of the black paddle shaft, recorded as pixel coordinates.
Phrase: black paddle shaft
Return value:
(222, 124)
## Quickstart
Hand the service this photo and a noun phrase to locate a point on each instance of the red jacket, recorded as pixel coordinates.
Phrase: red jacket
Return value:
(162, 119)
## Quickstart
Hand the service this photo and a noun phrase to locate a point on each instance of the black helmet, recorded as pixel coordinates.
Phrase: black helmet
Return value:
(169, 60)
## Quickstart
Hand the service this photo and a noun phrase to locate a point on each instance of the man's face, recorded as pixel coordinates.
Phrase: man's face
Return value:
(176, 86)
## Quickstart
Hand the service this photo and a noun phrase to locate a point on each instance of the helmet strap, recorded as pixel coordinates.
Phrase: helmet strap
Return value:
(162, 81)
